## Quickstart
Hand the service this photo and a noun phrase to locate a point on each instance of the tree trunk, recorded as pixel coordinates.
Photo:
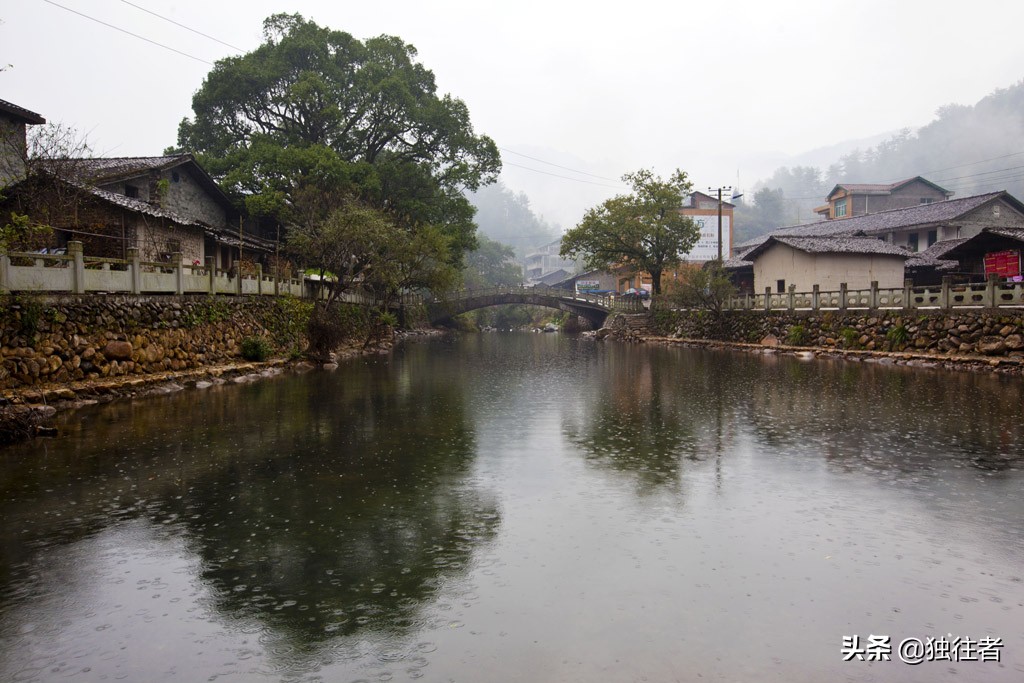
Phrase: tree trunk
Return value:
(656, 280)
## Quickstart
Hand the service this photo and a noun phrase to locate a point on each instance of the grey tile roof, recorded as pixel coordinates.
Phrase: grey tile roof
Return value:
(1012, 233)
(932, 256)
(20, 113)
(100, 170)
(840, 245)
(886, 221)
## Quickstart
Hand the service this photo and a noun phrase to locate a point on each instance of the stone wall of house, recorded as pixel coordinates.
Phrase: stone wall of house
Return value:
(68, 338)
(12, 150)
(187, 197)
(989, 332)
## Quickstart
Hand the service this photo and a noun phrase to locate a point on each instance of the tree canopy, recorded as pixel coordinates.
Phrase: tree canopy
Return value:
(644, 230)
(491, 264)
(314, 117)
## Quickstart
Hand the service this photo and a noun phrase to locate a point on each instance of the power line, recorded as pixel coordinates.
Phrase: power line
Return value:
(134, 35)
(187, 28)
(565, 177)
(564, 168)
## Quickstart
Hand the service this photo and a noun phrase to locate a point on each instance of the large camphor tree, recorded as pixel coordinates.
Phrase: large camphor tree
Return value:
(314, 119)
(644, 230)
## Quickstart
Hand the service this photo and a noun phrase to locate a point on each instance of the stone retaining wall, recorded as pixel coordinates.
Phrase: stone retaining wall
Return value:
(989, 332)
(68, 338)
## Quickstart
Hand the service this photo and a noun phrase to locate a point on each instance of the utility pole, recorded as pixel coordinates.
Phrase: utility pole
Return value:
(719, 191)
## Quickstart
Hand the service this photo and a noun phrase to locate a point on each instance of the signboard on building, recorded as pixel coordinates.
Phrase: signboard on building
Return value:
(587, 285)
(1003, 263)
(706, 248)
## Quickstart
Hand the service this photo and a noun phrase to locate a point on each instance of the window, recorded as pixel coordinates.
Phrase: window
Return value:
(131, 191)
(175, 177)
(933, 237)
(839, 209)
(927, 200)
(780, 286)
(912, 243)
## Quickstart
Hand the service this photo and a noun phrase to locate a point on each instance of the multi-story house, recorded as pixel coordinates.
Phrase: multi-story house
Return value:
(851, 199)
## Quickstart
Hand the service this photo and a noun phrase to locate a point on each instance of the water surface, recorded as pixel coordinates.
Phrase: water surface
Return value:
(514, 507)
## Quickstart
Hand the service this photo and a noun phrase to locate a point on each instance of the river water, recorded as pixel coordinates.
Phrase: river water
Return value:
(516, 507)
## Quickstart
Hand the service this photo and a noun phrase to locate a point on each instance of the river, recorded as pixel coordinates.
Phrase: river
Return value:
(526, 507)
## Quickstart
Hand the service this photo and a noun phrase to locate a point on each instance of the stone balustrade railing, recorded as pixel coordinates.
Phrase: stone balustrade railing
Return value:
(989, 294)
(75, 273)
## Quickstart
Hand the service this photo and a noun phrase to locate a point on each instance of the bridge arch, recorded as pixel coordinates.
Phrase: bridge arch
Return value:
(594, 308)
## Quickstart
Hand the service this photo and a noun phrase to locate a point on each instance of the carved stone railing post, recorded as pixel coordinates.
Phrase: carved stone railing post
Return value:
(5, 273)
(134, 267)
(908, 293)
(179, 273)
(944, 297)
(842, 296)
(873, 298)
(815, 297)
(77, 267)
(767, 298)
(990, 291)
(791, 298)
(211, 275)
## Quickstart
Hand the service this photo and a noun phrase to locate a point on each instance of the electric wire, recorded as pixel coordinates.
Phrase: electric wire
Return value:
(134, 35)
(187, 28)
(564, 168)
(577, 180)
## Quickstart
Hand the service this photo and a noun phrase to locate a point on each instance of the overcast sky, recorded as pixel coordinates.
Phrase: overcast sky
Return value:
(725, 91)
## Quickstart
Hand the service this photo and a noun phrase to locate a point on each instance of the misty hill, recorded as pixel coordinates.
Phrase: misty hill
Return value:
(506, 217)
(966, 149)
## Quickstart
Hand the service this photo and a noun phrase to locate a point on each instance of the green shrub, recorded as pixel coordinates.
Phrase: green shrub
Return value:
(256, 349)
(897, 335)
(850, 337)
(797, 335)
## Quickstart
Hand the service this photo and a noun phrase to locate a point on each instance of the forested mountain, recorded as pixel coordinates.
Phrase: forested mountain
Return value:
(966, 149)
(506, 217)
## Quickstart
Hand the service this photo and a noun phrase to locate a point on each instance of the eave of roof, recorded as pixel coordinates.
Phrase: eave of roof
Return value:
(832, 245)
(104, 170)
(20, 113)
(894, 219)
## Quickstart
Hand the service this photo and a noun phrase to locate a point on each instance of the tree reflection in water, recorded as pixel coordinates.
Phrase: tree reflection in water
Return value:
(311, 513)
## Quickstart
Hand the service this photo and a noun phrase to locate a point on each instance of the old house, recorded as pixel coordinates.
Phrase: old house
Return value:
(13, 147)
(803, 262)
(847, 200)
(926, 232)
(160, 205)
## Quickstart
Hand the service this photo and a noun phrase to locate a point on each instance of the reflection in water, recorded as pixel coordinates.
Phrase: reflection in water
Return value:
(646, 420)
(520, 507)
(328, 522)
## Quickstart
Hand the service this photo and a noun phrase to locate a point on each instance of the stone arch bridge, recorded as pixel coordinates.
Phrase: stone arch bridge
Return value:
(593, 307)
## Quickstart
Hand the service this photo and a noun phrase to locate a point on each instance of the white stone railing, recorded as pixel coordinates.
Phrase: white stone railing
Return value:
(989, 294)
(75, 273)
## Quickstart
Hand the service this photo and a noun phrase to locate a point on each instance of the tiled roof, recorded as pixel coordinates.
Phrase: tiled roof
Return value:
(868, 188)
(110, 169)
(839, 245)
(932, 256)
(886, 221)
(1012, 233)
(137, 205)
(221, 234)
(21, 113)
(100, 170)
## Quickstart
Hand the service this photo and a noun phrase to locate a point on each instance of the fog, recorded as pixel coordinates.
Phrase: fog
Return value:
(591, 90)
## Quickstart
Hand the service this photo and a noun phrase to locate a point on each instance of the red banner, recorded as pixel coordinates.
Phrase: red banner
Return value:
(1003, 263)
